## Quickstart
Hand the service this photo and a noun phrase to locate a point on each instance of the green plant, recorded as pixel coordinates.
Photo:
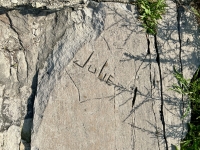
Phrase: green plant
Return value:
(192, 140)
(174, 147)
(183, 87)
(150, 12)
(190, 88)
(194, 8)
(195, 11)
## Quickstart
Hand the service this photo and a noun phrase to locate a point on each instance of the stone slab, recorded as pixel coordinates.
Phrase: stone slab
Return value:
(110, 94)
(100, 81)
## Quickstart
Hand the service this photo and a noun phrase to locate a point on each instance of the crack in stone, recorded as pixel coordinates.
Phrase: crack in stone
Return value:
(20, 41)
(148, 45)
(133, 120)
(152, 84)
(156, 124)
(179, 7)
(149, 53)
(179, 34)
(161, 91)
(28, 120)
(134, 97)
(79, 96)
(32, 97)
(13, 28)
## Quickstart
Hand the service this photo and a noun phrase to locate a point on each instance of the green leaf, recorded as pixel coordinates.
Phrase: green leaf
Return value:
(186, 143)
(150, 12)
(195, 11)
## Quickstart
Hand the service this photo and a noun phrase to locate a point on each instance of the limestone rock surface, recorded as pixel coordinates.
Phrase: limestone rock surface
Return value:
(50, 4)
(91, 78)
(114, 93)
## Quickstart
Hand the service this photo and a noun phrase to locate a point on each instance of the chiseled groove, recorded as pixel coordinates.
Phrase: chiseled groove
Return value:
(161, 91)
(180, 51)
(79, 96)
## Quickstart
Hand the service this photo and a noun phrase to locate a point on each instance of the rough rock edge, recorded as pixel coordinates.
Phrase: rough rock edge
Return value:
(51, 6)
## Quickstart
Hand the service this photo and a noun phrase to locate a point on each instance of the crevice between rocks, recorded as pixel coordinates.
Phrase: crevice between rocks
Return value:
(161, 91)
(28, 120)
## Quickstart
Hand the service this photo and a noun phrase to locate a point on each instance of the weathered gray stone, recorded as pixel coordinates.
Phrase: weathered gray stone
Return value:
(118, 99)
(167, 42)
(11, 139)
(84, 30)
(4, 65)
(114, 94)
(27, 42)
